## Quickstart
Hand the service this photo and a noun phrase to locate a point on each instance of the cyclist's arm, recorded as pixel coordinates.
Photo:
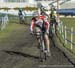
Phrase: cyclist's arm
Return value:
(32, 26)
(47, 26)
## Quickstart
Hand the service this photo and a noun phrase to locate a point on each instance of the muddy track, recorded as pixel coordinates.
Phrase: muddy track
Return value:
(20, 51)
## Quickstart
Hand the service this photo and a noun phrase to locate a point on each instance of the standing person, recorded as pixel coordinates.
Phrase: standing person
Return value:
(40, 23)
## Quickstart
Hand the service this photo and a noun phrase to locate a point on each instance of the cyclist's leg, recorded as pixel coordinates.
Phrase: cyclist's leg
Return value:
(37, 30)
(51, 27)
(56, 25)
(47, 44)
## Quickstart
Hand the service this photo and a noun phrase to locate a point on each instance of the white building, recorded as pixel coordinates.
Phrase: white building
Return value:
(32, 3)
(15, 3)
(13, 0)
(68, 5)
(22, 3)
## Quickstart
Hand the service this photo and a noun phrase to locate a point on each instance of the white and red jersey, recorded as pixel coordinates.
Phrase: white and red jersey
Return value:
(39, 22)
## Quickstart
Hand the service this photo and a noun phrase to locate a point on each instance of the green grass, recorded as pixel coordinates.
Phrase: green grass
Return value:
(8, 30)
(10, 26)
(69, 22)
(13, 24)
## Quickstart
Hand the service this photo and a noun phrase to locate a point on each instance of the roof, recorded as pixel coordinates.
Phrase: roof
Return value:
(68, 5)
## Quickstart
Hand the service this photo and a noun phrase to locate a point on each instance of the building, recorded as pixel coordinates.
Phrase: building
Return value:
(32, 3)
(14, 0)
(68, 5)
(15, 3)
(22, 3)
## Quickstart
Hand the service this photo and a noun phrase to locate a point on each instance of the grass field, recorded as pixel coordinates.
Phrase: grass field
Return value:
(69, 22)
(12, 24)
(8, 30)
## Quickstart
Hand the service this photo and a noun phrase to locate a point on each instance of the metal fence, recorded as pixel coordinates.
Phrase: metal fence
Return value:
(3, 22)
(16, 19)
(64, 31)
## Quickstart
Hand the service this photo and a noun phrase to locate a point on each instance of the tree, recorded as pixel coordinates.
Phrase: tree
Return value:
(5, 8)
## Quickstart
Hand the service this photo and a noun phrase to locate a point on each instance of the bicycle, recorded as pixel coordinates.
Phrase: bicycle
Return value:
(42, 46)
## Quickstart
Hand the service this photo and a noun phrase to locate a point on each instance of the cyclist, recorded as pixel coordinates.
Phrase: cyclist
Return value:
(40, 21)
(53, 20)
(21, 16)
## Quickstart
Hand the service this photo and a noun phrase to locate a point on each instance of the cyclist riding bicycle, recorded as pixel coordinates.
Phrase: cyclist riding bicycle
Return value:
(21, 16)
(53, 21)
(40, 23)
